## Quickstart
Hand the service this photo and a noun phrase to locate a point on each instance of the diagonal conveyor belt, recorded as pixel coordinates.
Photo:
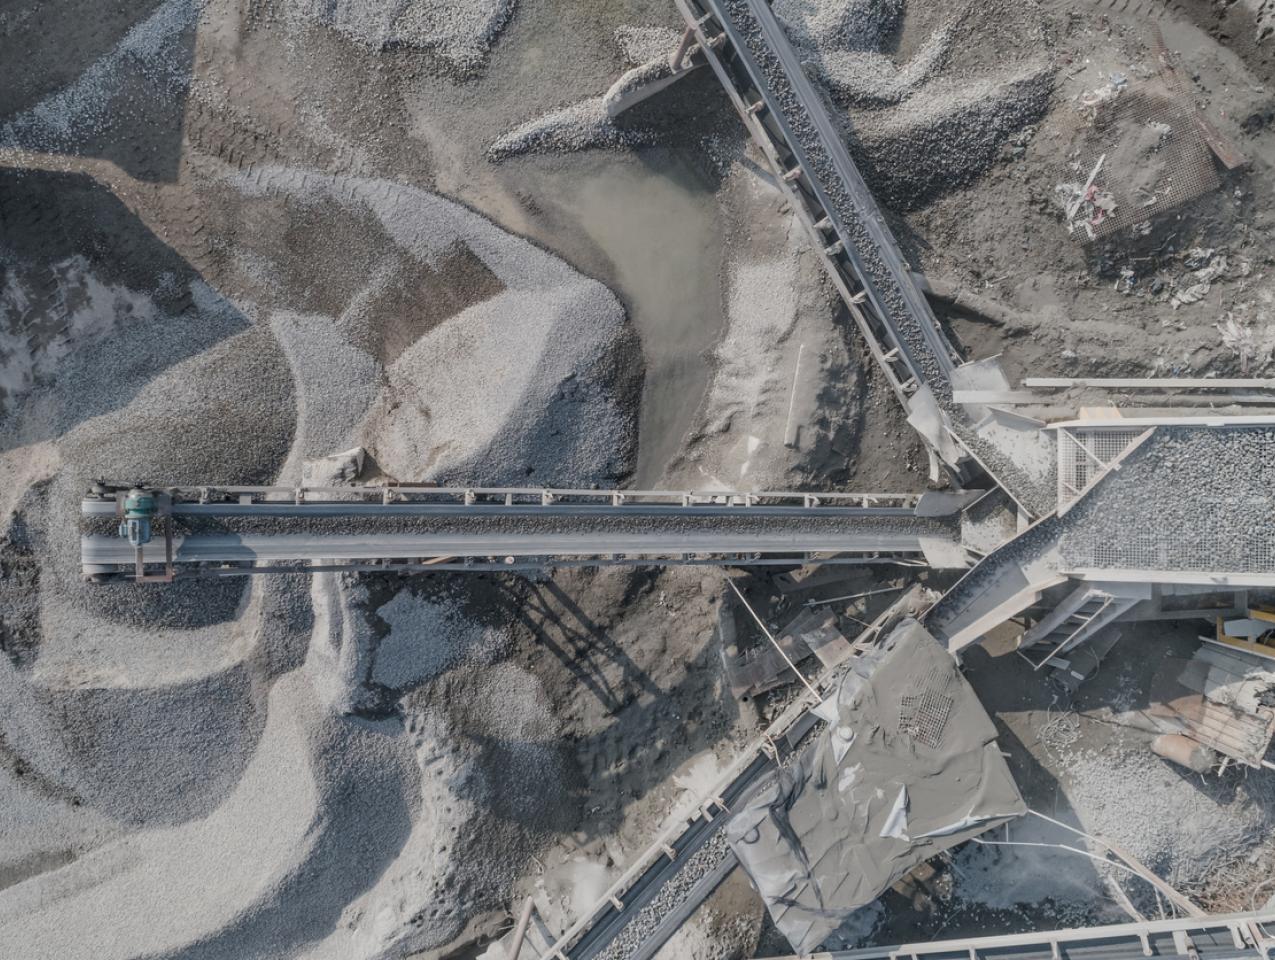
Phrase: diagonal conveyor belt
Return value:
(225, 531)
(761, 72)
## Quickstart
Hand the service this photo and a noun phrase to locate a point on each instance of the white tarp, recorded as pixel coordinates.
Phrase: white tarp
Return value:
(908, 768)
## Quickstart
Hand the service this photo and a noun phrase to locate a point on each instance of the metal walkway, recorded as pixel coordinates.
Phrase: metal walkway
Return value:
(761, 72)
(226, 531)
(1222, 937)
(1134, 523)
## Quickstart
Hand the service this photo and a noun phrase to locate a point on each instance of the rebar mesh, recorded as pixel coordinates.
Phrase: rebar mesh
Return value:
(924, 712)
(1155, 156)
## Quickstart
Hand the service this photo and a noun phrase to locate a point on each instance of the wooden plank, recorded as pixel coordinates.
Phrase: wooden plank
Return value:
(1187, 907)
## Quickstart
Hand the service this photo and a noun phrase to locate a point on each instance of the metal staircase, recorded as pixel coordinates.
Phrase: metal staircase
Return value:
(1081, 614)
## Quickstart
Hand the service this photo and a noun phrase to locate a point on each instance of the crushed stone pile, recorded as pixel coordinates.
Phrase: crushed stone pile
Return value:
(427, 636)
(642, 44)
(460, 32)
(234, 882)
(591, 123)
(1180, 827)
(843, 40)
(564, 368)
(149, 68)
(947, 139)
(224, 748)
(580, 126)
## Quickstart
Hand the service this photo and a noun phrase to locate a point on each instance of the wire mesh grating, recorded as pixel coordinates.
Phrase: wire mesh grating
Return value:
(1083, 455)
(1154, 157)
(924, 713)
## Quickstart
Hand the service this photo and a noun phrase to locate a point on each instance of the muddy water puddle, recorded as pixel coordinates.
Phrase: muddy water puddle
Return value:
(650, 228)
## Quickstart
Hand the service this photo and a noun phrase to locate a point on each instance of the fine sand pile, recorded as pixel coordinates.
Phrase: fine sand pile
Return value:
(784, 387)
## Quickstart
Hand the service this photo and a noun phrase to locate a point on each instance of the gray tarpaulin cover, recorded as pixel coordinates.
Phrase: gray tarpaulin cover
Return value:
(907, 767)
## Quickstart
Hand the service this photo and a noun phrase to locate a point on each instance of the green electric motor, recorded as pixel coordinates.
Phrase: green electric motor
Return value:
(139, 509)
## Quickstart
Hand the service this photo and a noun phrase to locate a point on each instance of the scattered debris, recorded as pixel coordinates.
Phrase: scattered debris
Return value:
(763, 668)
(1219, 698)
(1205, 266)
(1090, 202)
(1240, 338)
(1091, 100)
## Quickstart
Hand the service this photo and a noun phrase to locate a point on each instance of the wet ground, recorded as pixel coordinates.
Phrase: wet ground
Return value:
(648, 225)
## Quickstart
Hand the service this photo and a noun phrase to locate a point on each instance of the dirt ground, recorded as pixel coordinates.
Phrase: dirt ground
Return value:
(238, 234)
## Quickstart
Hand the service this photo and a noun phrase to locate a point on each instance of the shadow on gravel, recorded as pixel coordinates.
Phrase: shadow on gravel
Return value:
(98, 80)
(95, 304)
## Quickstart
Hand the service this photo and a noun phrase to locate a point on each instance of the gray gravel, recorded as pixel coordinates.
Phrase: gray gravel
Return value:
(552, 354)
(843, 41)
(1189, 499)
(950, 137)
(324, 805)
(460, 32)
(427, 636)
(672, 893)
(150, 66)
(643, 44)
(585, 125)
(1180, 826)
(728, 521)
(336, 385)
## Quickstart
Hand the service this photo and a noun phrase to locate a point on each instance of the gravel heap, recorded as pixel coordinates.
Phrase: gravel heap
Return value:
(842, 41)
(492, 764)
(150, 65)
(950, 137)
(588, 124)
(336, 384)
(640, 45)
(585, 125)
(1181, 826)
(322, 808)
(460, 32)
(114, 340)
(580, 126)
(539, 380)
(423, 898)
(428, 636)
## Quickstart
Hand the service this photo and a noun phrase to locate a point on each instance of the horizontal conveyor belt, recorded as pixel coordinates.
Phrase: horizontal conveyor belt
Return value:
(254, 533)
(580, 512)
(234, 548)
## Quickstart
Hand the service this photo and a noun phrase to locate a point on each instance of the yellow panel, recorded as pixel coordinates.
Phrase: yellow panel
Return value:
(1261, 649)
